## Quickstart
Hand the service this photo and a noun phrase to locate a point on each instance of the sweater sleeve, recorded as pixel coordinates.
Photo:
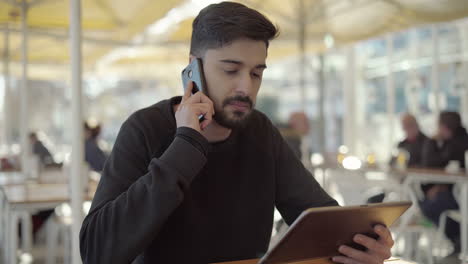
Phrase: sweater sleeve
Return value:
(137, 193)
(296, 188)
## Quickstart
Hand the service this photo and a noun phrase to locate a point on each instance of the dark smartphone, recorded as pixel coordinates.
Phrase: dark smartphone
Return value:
(194, 72)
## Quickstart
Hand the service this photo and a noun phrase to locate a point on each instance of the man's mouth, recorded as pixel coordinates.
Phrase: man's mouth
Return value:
(239, 106)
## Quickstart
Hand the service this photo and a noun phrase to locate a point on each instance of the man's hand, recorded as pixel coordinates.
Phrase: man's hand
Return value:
(193, 106)
(377, 250)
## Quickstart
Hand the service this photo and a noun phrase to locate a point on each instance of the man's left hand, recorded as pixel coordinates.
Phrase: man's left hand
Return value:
(378, 250)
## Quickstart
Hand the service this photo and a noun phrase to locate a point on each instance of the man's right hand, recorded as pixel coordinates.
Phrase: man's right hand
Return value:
(191, 107)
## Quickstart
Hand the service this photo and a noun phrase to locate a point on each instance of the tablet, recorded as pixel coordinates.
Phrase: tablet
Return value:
(318, 232)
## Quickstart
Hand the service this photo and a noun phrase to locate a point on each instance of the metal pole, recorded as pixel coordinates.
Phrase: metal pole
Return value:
(77, 160)
(321, 103)
(23, 94)
(302, 23)
(464, 69)
(302, 53)
(435, 70)
(390, 89)
(349, 93)
(7, 129)
(411, 95)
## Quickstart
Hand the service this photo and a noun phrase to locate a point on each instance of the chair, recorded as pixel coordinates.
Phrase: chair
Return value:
(412, 233)
(453, 214)
(3, 226)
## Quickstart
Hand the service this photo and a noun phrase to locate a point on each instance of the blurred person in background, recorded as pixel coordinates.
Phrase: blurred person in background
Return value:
(39, 150)
(294, 130)
(414, 140)
(449, 144)
(177, 189)
(94, 155)
(413, 144)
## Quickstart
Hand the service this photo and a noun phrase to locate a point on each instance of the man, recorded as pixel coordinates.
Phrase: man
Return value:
(175, 190)
(413, 144)
(414, 141)
(450, 143)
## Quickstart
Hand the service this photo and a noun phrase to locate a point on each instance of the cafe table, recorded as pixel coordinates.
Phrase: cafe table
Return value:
(23, 200)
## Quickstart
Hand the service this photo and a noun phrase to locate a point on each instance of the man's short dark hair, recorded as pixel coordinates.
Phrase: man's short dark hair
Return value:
(220, 24)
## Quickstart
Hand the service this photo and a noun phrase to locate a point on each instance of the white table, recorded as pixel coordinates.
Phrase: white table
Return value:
(353, 186)
(27, 199)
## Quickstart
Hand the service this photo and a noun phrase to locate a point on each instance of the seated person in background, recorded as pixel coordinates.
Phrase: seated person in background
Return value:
(450, 143)
(94, 155)
(40, 150)
(175, 190)
(45, 159)
(413, 144)
(414, 141)
(297, 127)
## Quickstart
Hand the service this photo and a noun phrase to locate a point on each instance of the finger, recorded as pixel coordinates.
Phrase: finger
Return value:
(344, 260)
(205, 99)
(187, 92)
(202, 109)
(198, 98)
(374, 246)
(357, 255)
(205, 123)
(208, 117)
(385, 235)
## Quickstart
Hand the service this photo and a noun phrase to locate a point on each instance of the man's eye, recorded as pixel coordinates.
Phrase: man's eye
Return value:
(232, 72)
(256, 75)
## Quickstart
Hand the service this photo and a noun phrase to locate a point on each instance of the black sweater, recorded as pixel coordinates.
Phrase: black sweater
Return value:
(168, 196)
(438, 156)
(415, 149)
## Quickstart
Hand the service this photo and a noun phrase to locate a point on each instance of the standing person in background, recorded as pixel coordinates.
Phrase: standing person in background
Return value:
(94, 155)
(449, 144)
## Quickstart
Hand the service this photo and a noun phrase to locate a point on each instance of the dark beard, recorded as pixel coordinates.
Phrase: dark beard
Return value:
(239, 118)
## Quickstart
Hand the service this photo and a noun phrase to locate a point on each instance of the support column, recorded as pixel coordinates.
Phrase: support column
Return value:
(77, 156)
(23, 95)
(7, 126)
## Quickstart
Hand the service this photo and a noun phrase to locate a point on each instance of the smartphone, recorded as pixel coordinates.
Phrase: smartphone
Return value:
(194, 72)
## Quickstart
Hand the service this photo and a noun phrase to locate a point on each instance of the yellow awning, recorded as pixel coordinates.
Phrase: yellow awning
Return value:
(113, 25)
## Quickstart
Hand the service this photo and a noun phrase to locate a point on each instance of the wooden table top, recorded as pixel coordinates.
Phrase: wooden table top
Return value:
(46, 176)
(42, 193)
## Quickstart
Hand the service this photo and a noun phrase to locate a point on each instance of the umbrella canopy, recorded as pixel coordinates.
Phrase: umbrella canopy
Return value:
(119, 33)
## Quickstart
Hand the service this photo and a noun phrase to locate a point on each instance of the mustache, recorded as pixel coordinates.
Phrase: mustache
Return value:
(239, 98)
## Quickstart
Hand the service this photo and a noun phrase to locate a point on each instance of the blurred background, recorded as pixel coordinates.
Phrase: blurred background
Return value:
(340, 77)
